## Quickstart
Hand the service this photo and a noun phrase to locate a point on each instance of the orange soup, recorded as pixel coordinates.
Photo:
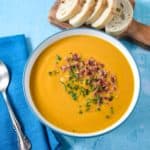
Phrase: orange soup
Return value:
(82, 84)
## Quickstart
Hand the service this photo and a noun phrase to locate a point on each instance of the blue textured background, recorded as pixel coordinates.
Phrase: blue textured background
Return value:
(30, 18)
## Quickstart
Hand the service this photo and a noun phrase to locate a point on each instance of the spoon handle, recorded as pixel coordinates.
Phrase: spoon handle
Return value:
(24, 143)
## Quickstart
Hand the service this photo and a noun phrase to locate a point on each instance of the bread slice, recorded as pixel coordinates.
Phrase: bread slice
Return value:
(99, 7)
(67, 9)
(122, 19)
(106, 16)
(83, 15)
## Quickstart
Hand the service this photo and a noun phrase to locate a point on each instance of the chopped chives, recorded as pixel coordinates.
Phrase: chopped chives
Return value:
(107, 116)
(58, 58)
(111, 110)
(98, 109)
(80, 112)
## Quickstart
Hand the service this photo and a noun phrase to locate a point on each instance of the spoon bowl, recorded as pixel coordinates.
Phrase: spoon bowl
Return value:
(4, 77)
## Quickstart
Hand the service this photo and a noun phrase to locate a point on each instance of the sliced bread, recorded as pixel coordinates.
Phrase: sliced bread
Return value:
(99, 7)
(80, 18)
(67, 9)
(106, 16)
(122, 19)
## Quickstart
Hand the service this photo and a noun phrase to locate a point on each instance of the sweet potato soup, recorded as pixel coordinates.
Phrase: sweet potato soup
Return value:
(82, 84)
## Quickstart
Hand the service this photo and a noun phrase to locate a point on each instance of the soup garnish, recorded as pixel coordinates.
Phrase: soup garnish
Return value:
(88, 79)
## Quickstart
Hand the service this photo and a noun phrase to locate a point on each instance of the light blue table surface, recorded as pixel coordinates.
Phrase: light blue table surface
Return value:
(29, 17)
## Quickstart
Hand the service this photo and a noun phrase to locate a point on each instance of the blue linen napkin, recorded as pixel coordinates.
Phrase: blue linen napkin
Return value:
(13, 52)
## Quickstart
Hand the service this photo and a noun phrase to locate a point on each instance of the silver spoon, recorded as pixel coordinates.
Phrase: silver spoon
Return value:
(23, 142)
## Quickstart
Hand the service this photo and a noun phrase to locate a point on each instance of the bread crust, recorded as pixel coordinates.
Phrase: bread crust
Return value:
(99, 7)
(83, 15)
(106, 16)
(127, 11)
(64, 12)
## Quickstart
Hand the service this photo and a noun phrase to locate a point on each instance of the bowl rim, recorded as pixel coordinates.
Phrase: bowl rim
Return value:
(80, 31)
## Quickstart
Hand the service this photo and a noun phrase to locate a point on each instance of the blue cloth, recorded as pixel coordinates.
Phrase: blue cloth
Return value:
(13, 52)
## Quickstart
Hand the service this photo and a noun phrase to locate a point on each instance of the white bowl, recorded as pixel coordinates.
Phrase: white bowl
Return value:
(90, 32)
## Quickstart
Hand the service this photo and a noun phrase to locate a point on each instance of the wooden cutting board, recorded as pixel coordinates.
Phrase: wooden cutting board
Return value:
(137, 31)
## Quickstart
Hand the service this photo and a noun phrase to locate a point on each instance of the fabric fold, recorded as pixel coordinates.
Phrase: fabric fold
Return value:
(14, 53)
